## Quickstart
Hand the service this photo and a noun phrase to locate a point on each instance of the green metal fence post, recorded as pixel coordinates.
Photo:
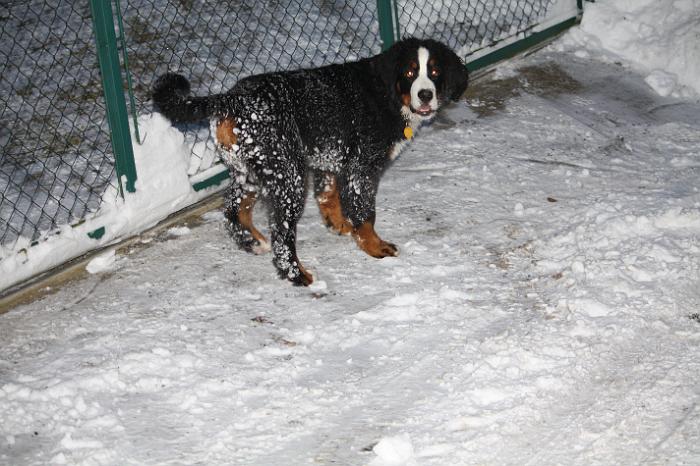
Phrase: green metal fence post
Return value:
(387, 31)
(130, 87)
(107, 53)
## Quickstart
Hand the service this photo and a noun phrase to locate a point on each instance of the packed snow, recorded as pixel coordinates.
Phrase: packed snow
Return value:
(544, 309)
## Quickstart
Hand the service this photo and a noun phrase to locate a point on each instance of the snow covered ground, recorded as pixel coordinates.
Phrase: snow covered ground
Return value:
(660, 37)
(544, 308)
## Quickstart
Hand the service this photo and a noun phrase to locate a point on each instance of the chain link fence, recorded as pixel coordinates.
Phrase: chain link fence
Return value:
(57, 158)
(469, 25)
(56, 152)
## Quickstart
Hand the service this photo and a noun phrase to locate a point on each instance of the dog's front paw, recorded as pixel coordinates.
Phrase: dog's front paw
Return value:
(386, 249)
(368, 240)
(379, 249)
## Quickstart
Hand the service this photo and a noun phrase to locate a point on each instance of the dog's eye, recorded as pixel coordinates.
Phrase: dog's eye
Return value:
(434, 73)
(410, 73)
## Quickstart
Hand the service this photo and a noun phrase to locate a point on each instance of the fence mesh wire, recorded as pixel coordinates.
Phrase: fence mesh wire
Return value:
(470, 25)
(56, 154)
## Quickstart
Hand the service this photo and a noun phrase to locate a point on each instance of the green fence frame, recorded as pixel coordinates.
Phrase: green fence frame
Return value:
(108, 57)
(386, 15)
(520, 46)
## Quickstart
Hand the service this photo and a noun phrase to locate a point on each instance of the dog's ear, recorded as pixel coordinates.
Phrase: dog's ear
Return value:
(455, 72)
(457, 80)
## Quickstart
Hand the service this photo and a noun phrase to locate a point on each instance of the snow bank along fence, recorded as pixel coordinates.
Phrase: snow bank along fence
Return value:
(70, 70)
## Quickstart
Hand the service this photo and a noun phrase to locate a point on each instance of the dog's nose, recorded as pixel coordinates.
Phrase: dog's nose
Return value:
(425, 95)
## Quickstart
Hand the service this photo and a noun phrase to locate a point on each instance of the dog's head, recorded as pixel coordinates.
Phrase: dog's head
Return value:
(423, 75)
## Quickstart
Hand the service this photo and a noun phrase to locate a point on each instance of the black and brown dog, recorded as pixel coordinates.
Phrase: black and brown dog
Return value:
(343, 124)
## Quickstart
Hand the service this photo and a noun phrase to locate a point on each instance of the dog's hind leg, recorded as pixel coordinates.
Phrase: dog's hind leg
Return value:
(241, 196)
(239, 220)
(286, 194)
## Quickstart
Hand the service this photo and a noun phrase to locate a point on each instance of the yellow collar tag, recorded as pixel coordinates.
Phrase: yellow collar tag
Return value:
(408, 133)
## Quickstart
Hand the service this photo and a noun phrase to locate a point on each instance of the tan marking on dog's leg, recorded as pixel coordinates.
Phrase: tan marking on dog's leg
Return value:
(307, 278)
(368, 240)
(224, 133)
(245, 217)
(332, 214)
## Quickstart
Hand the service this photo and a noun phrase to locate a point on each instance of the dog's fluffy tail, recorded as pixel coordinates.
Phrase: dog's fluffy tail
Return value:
(171, 97)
